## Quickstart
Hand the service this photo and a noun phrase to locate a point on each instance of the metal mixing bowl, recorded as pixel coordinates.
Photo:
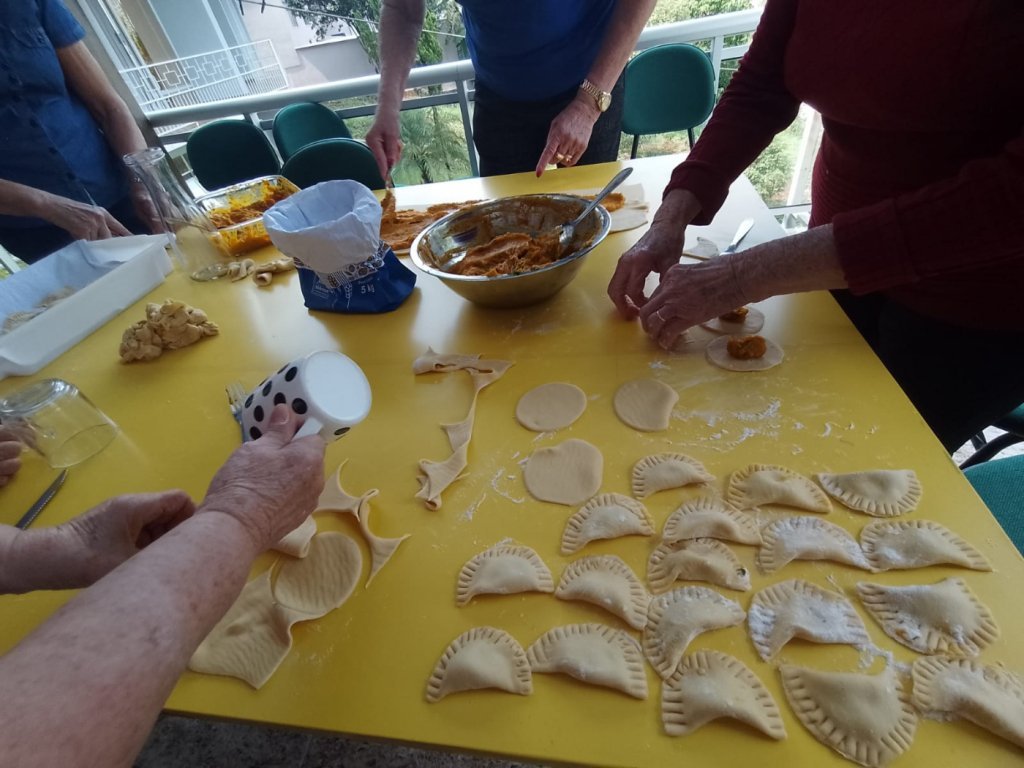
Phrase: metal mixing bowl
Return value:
(445, 242)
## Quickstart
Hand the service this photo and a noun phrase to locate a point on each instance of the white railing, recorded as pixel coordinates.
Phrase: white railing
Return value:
(712, 32)
(206, 78)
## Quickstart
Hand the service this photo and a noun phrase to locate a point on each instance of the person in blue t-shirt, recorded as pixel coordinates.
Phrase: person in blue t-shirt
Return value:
(548, 79)
(63, 129)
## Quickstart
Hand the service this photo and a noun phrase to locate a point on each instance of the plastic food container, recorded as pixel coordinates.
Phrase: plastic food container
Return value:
(237, 213)
(106, 277)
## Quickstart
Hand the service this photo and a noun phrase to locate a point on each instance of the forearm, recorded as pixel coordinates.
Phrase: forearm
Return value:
(401, 22)
(627, 22)
(804, 262)
(42, 558)
(86, 686)
(20, 200)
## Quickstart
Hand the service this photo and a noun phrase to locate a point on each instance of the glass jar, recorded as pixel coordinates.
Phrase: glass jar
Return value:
(182, 217)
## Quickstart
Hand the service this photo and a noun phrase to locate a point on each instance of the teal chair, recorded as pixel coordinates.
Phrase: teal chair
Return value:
(1000, 483)
(333, 159)
(668, 88)
(297, 125)
(226, 152)
(1012, 424)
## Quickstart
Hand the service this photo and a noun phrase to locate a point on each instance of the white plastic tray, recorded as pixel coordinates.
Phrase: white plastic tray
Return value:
(108, 275)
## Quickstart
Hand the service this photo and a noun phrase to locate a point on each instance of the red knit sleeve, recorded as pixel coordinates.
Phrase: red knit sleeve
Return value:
(755, 106)
(971, 220)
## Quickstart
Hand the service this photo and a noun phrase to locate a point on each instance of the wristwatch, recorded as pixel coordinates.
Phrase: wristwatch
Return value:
(602, 99)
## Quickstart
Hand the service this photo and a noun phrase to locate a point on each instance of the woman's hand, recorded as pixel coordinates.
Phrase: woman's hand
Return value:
(81, 220)
(385, 141)
(10, 453)
(569, 134)
(272, 484)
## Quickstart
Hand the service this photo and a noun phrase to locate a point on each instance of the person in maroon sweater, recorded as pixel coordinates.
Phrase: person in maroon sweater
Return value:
(917, 221)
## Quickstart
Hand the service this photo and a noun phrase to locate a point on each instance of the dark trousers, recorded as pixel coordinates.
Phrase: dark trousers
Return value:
(959, 379)
(510, 135)
(30, 244)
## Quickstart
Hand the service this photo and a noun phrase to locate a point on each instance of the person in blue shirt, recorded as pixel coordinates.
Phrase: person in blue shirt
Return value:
(63, 129)
(548, 79)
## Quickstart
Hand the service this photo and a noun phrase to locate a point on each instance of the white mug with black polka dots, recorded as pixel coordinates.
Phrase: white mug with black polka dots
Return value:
(327, 388)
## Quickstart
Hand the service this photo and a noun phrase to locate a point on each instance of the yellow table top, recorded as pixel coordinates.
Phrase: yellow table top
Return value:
(362, 670)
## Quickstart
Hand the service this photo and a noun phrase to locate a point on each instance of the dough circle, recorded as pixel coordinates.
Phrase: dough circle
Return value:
(752, 323)
(645, 404)
(717, 354)
(569, 473)
(551, 406)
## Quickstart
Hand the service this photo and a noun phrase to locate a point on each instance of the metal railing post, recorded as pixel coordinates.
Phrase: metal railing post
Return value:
(467, 126)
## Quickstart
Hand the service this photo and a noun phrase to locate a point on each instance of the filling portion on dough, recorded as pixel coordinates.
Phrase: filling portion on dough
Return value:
(746, 347)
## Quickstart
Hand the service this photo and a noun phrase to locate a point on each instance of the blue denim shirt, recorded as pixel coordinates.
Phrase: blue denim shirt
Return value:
(531, 50)
(48, 138)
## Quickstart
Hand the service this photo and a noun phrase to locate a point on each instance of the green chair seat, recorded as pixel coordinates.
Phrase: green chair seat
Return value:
(227, 152)
(300, 124)
(1000, 483)
(333, 159)
(668, 88)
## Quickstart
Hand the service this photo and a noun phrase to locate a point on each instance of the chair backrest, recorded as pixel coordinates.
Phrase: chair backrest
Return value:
(1000, 483)
(333, 159)
(300, 124)
(668, 88)
(226, 152)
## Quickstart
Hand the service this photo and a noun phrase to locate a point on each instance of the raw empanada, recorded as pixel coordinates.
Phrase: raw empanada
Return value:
(710, 518)
(675, 618)
(865, 718)
(606, 581)
(709, 685)
(990, 697)
(881, 492)
(564, 474)
(607, 516)
(645, 404)
(797, 608)
(667, 470)
(807, 538)
(944, 617)
(902, 544)
(718, 354)
(696, 560)
(768, 484)
(482, 657)
(593, 653)
(751, 322)
(504, 569)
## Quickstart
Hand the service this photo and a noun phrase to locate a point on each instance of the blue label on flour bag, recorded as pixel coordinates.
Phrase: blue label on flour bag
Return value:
(379, 284)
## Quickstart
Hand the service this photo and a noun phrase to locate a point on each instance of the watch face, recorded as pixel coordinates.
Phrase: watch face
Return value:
(604, 101)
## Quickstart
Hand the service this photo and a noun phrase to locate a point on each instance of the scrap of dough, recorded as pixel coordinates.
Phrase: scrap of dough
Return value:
(903, 544)
(677, 617)
(709, 685)
(807, 538)
(797, 608)
(717, 354)
(751, 324)
(770, 484)
(254, 636)
(881, 492)
(171, 325)
(436, 476)
(667, 470)
(866, 718)
(696, 560)
(607, 516)
(607, 582)
(945, 617)
(568, 473)
(296, 542)
(990, 697)
(645, 404)
(592, 653)
(324, 579)
(251, 640)
(482, 657)
(335, 498)
(504, 569)
(551, 406)
(710, 518)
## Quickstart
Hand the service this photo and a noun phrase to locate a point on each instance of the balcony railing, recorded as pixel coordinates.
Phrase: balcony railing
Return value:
(216, 77)
(712, 33)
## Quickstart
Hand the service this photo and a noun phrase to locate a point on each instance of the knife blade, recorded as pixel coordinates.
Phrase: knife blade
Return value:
(741, 232)
(42, 501)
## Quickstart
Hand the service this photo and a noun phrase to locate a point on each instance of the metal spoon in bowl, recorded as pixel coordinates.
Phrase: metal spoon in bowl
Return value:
(569, 230)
